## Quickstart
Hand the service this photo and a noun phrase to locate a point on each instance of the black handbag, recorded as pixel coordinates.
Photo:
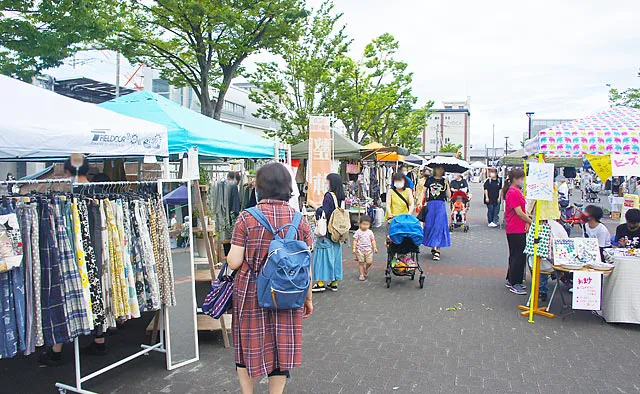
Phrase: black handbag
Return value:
(422, 215)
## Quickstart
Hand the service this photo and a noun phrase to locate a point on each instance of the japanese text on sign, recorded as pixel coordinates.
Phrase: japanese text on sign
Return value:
(320, 154)
(625, 165)
(601, 165)
(587, 290)
(540, 181)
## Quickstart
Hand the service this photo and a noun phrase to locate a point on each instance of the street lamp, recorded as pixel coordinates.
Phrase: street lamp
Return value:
(530, 115)
(506, 146)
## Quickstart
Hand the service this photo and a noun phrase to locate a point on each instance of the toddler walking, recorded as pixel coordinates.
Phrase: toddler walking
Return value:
(364, 245)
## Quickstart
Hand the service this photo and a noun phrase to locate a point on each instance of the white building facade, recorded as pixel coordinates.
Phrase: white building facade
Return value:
(449, 125)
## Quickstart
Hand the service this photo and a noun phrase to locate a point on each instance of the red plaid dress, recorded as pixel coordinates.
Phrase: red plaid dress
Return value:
(264, 339)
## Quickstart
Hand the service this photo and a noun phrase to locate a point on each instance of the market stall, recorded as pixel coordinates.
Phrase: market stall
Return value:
(65, 126)
(614, 136)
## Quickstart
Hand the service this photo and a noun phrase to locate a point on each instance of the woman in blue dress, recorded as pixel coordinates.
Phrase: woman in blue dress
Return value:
(436, 193)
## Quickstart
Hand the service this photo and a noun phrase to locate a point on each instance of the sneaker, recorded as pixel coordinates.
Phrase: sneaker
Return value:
(542, 297)
(518, 289)
(507, 284)
(493, 225)
(95, 349)
(333, 286)
(318, 289)
(50, 358)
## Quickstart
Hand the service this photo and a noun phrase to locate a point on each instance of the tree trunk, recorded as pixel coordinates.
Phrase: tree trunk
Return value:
(206, 106)
(228, 74)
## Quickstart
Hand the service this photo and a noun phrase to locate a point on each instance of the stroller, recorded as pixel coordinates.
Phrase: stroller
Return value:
(591, 193)
(403, 248)
(459, 219)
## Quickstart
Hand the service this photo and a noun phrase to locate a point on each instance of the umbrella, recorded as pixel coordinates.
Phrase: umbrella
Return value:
(450, 164)
(177, 197)
(415, 159)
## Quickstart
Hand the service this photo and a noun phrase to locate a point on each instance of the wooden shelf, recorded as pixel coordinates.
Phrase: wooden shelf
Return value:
(205, 323)
(203, 275)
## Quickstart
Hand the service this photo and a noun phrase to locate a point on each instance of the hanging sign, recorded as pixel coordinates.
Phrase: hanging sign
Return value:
(601, 165)
(320, 154)
(625, 165)
(587, 290)
(631, 201)
(540, 182)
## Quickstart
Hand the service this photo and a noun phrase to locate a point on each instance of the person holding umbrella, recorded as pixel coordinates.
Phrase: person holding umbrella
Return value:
(436, 224)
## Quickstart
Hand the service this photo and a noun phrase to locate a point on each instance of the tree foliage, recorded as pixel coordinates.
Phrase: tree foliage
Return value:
(291, 90)
(202, 44)
(450, 148)
(629, 97)
(374, 99)
(39, 34)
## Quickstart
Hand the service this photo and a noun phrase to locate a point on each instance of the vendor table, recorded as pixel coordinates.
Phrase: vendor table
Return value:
(621, 292)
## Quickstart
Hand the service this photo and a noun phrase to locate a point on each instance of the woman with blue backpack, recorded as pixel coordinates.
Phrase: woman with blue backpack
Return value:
(327, 256)
(272, 285)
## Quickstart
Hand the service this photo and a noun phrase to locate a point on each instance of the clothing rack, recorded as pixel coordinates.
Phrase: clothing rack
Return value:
(159, 347)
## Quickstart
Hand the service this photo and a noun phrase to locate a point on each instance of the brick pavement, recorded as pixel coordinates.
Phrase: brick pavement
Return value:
(460, 334)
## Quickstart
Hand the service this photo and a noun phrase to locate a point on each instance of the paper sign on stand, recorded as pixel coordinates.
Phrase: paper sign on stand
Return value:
(631, 201)
(625, 165)
(601, 165)
(540, 181)
(587, 290)
(320, 155)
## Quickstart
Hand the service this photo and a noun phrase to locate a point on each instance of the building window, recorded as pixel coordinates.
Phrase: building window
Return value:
(233, 108)
(447, 140)
(432, 142)
(160, 87)
(448, 107)
(460, 106)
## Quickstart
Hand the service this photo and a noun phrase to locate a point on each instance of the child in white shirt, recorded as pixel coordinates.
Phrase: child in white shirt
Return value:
(594, 229)
(364, 245)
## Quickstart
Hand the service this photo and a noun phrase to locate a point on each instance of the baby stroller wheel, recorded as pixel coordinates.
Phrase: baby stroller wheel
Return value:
(413, 276)
(421, 280)
(388, 282)
(466, 229)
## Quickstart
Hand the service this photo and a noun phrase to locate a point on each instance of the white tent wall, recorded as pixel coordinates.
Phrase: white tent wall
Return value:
(40, 124)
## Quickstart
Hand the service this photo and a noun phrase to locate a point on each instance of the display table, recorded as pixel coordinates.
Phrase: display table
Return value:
(621, 292)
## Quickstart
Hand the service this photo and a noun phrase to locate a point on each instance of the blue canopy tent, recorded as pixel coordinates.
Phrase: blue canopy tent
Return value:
(188, 128)
(179, 196)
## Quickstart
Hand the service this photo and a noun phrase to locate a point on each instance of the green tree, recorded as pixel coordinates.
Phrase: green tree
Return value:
(202, 43)
(402, 127)
(373, 97)
(39, 34)
(292, 90)
(628, 98)
(450, 148)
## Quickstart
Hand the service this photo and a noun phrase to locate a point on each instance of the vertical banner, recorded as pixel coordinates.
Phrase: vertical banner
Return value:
(319, 165)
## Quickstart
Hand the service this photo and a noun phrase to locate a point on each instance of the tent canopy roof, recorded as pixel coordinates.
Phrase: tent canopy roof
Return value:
(343, 148)
(616, 130)
(41, 124)
(188, 128)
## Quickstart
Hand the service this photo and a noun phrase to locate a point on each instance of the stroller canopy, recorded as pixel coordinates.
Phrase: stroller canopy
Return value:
(405, 226)
(460, 193)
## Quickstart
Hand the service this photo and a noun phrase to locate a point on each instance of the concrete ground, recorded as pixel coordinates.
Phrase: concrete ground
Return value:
(462, 333)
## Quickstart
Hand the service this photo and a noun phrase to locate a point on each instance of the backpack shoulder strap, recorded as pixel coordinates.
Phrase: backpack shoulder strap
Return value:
(259, 216)
(335, 200)
(293, 226)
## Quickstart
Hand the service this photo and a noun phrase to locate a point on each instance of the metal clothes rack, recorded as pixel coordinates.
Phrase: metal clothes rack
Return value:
(158, 347)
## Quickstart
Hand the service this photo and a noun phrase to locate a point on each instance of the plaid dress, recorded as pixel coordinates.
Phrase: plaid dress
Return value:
(264, 339)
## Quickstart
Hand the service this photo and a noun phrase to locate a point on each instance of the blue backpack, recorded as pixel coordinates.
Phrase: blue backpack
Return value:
(283, 282)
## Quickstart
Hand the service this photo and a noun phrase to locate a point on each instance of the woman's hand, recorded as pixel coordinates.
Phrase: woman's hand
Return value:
(308, 308)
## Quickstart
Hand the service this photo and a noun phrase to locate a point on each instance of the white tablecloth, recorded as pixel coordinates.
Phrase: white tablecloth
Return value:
(621, 292)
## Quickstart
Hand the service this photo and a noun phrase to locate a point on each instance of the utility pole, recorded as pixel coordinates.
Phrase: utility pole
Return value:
(506, 146)
(530, 116)
(117, 74)
(494, 142)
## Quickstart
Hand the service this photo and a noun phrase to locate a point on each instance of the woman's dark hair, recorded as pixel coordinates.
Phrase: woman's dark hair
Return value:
(233, 175)
(83, 170)
(365, 218)
(594, 211)
(632, 216)
(273, 182)
(514, 173)
(335, 186)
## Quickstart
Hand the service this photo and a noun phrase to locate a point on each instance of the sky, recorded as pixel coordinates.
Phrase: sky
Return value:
(553, 58)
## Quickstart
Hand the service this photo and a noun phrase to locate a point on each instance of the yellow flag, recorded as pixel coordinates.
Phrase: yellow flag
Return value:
(601, 165)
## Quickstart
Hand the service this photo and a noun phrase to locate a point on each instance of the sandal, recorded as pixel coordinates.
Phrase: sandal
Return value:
(362, 278)
(433, 251)
(436, 256)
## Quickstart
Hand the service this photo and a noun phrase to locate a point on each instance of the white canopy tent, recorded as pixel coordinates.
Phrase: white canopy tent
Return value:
(36, 123)
(478, 164)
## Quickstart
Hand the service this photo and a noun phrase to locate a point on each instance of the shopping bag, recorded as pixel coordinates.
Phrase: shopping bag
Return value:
(218, 301)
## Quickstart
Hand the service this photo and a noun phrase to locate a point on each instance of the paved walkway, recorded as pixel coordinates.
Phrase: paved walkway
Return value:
(462, 333)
